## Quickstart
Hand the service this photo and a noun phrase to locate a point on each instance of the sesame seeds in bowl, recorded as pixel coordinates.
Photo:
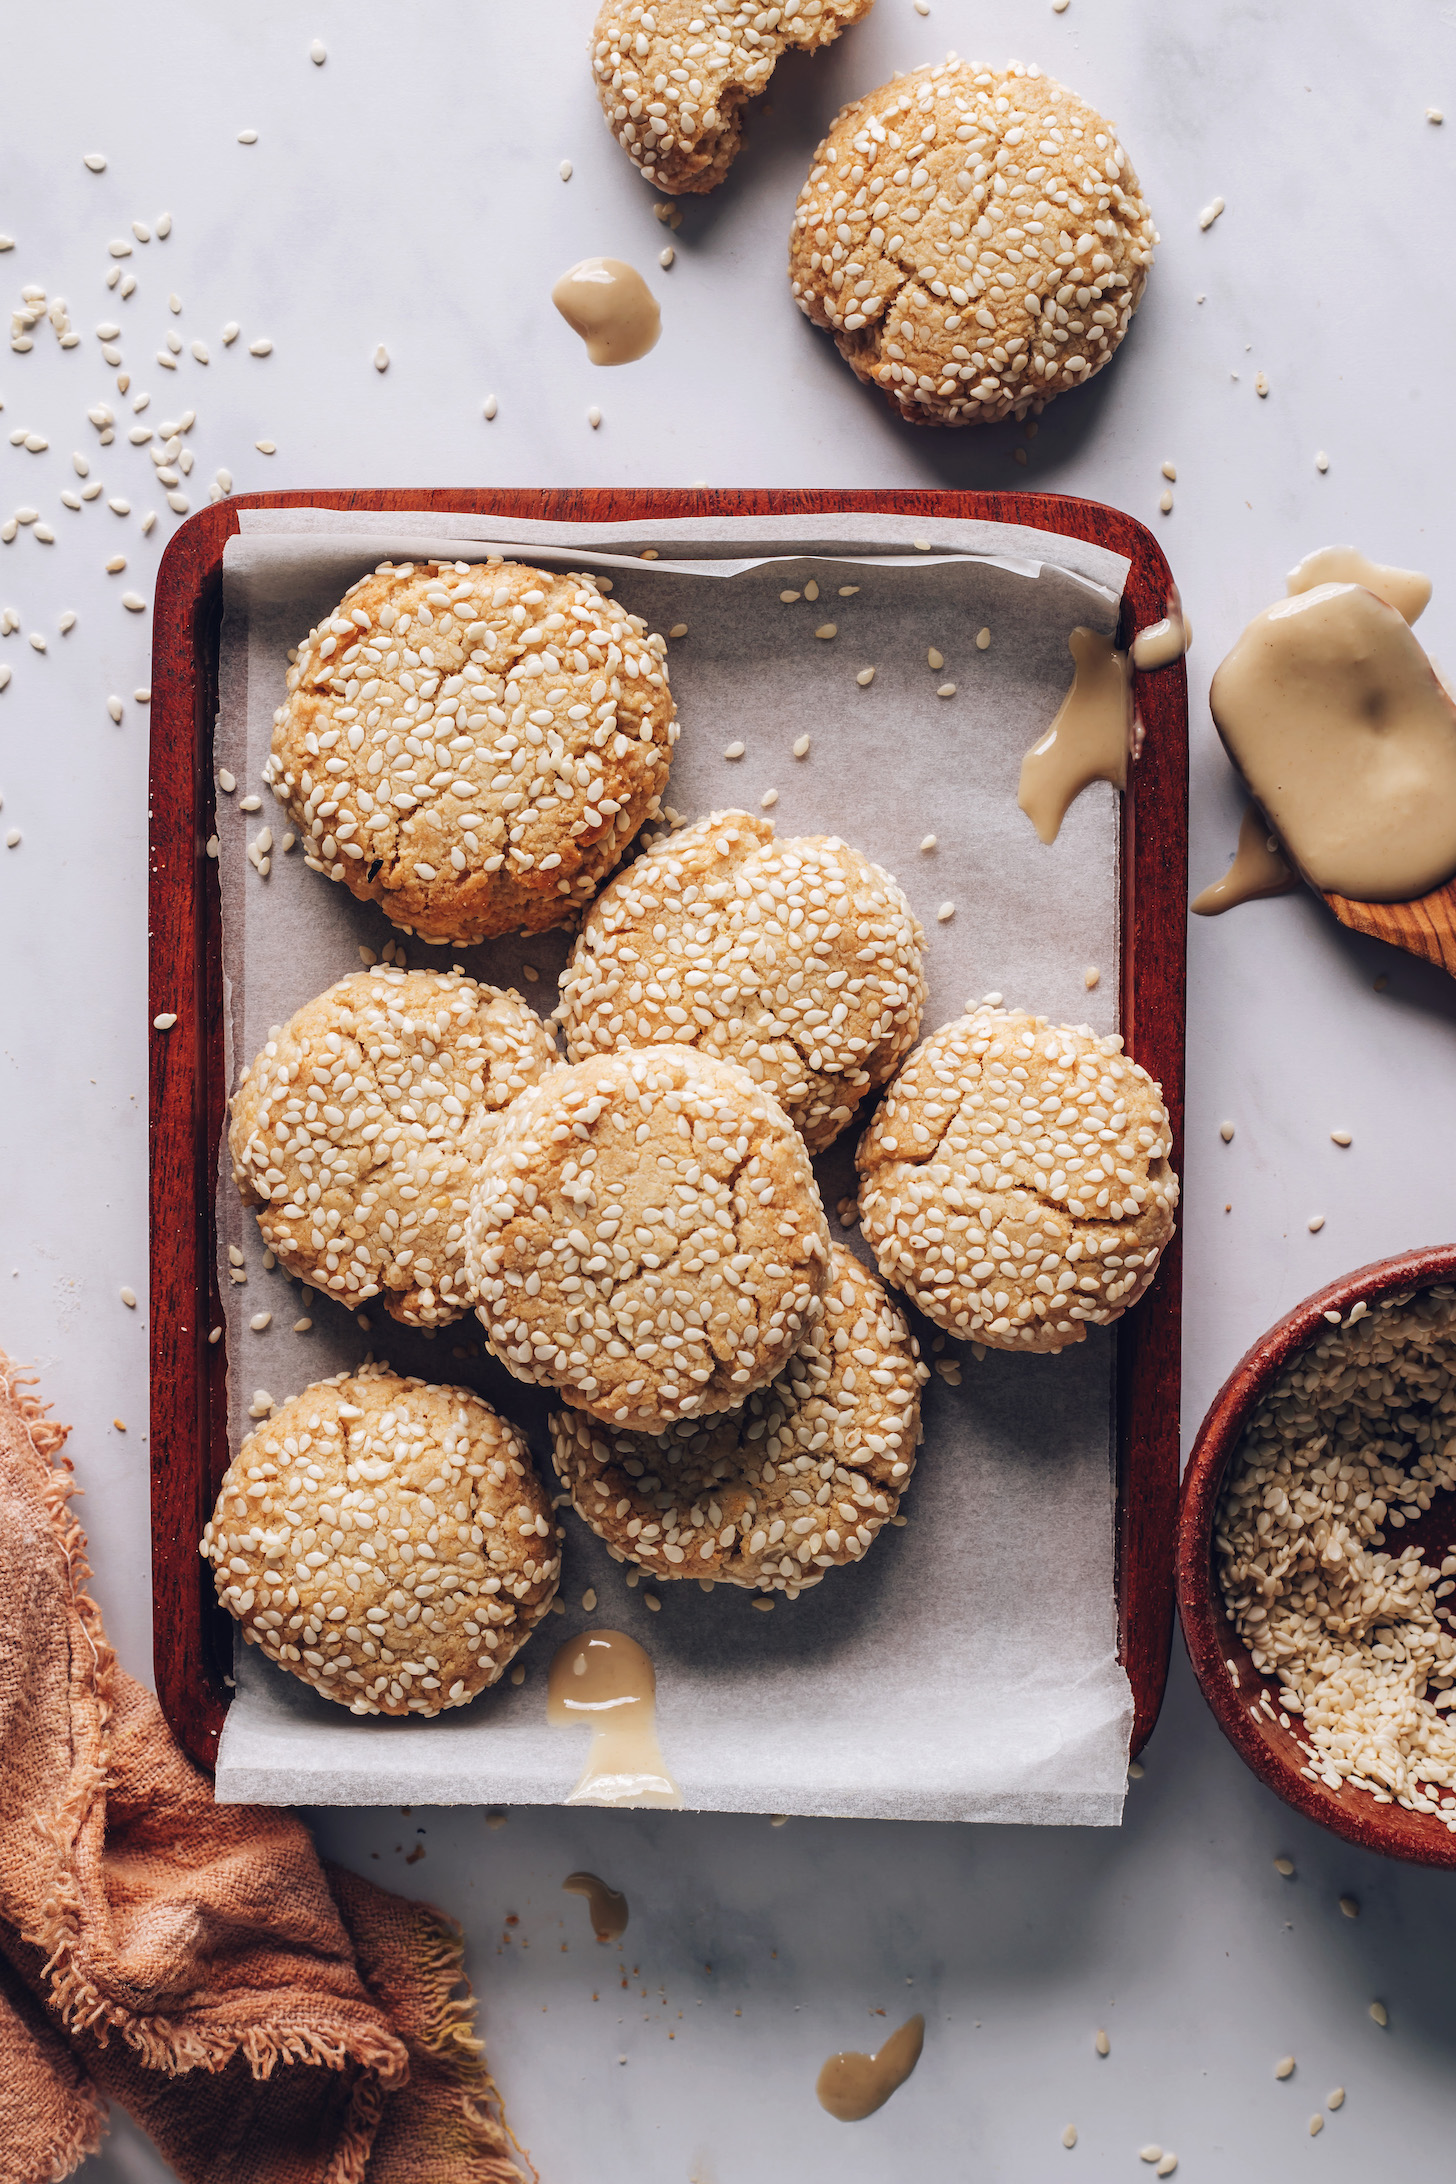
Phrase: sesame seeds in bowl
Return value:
(1316, 1561)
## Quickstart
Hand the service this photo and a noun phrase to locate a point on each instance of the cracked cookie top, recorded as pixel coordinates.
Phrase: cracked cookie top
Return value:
(354, 1132)
(673, 77)
(1015, 1180)
(776, 1491)
(472, 745)
(386, 1540)
(975, 240)
(646, 1235)
(798, 959)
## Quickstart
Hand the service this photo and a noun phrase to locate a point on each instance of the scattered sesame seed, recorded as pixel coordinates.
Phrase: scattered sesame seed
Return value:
(921, 545)
(177, 502)
(116, 564)
(13, 838)
(44, 534)
(1167, 2165)
(1226, 1132)
(1091, 977)
(120, 1424)
(134, 602)
(1069, 2136)
(922, 7)
(1018, 455)
(113, 707)
(564, 170)
(679, 629)
(250, 803)
(225, 480)
(946, 912)
(302, 1326)
(650, 1600)
(1150, 2153)
(1316, 2125)
(847, 591)
(1337, 2098)
(589, 1600)
(1379, 2013)
(666, 257)
(933, 658)
(789, 597)
(594, 417)
(1350, 1906)
(826, 630)
(230, 333)
(733, 750)
(865, 677)
(1102, 2044)
(266, 447)
(67, 622)
(261, 347)
(1285, 1866)
(765, 1607)
(1261, 384)
(1322, 461)
(38, 642)
(1434, 113)
(259, 1321)
(1316, 1223)
(96, 161)
(318, 53)
(983, 640)
(226, 782)
(1170, 472)
(946, 690)
(1341, 1137)
(247, 136)
(1135, 1770)
(490, 407)
(1210, 213)
(801, 747)
(928, 843)
(768, 799)
(165, 1021)
(1284, 2068)
(128, 1298)
(1059, 7)
(1165, 503)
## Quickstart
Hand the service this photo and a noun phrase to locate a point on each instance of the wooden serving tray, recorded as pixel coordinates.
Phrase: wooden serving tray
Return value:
(192, 1635)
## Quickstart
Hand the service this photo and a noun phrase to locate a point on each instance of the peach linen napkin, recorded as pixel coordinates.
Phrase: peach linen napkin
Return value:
(264, 2021)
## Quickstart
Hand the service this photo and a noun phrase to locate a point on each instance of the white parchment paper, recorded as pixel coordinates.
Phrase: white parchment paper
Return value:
(967, 1669)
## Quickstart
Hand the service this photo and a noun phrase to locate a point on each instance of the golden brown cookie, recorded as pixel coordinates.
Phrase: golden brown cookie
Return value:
(646, 1235)
(385, 1540)
(473, 745)
(1015, 1180)
(975, 240)
(355, 1132)
(783, 1487)
(673, 78)
(798, 959)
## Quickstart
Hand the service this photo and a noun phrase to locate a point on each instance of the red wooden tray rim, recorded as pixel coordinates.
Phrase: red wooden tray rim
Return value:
(1211, 1639)
(192, 1636)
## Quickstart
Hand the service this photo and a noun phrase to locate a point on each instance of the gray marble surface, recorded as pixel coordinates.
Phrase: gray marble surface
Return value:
(408, 193)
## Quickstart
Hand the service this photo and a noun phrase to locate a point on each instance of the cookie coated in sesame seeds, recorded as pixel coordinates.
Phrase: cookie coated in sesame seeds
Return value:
(780, 1489)
(975, 240)
(355, 1132)
(1015, 1182)
(673, 78)
(473, 745)
(646, 1235)
(385, 1540)
(798, 959)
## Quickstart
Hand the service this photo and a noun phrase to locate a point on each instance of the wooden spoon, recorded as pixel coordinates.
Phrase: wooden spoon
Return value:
(1426, 927)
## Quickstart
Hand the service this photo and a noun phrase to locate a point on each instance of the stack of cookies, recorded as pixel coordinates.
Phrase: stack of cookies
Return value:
(637, 1227)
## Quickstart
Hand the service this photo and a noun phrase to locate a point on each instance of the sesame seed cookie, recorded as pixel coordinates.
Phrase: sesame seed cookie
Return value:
(355, 1132)
(646, 1235)
(473, 745)
(780, 1489)
(673, 78)
(1015, 1180)
(799, 959)
(385, 1540)
(975, 240)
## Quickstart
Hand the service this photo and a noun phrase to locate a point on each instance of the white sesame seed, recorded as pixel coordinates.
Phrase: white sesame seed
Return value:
(1285, 1866)
(1226, 1132)
(594, 417)
(67, 622)
(1316, 1223)
(134, 602)
(164, 1022)
(259, 1321)
(921, 545)
(768, 799)
(1069, 2136)
(1434, 113)
(1210, 213)
(589, 1600)
(1091, 976)
(96, 161)
(164, 225)
(199, 350)
(230, 333)
(250, 803)
(226, 782)
(1059, 7)
(491, 407)
(983, 640)
(225, 480)
(733, 750)
(1102, 2044)
(826, 630)
(865, 677)
(1165, 503)
(114, 708)
(1379, 2013)
(946, 690)
(1341, 1137)
(1337, 2098)
(142, 696)
(38, 643)
(934, 659)
(7, 242)
(1322, 461)
(1261, 384)
(318, 53)
(148, 520)
(679, 629)
(381, 358)
(922, 7)
(928, 843)
(261, 347)
(1135, 1770)
(1284, 2068)
(13, 838)
(36, 443)
(247, 136)
(1170, 472)
(141, 231)
(946, 912)
(266, 447)
(1150, 2153)
(801, 747)
(564, 170)
(665, 257)
(1167, 2165)
(651, 1601)
(1350, 1906)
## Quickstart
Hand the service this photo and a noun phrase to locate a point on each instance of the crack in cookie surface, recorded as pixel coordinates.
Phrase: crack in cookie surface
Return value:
(1015, 1180)
(646, 1235)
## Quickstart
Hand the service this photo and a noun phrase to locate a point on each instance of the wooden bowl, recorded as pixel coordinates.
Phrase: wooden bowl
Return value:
(1221, 1661)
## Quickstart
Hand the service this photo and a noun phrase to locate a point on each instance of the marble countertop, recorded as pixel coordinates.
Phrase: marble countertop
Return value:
(408, 193)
